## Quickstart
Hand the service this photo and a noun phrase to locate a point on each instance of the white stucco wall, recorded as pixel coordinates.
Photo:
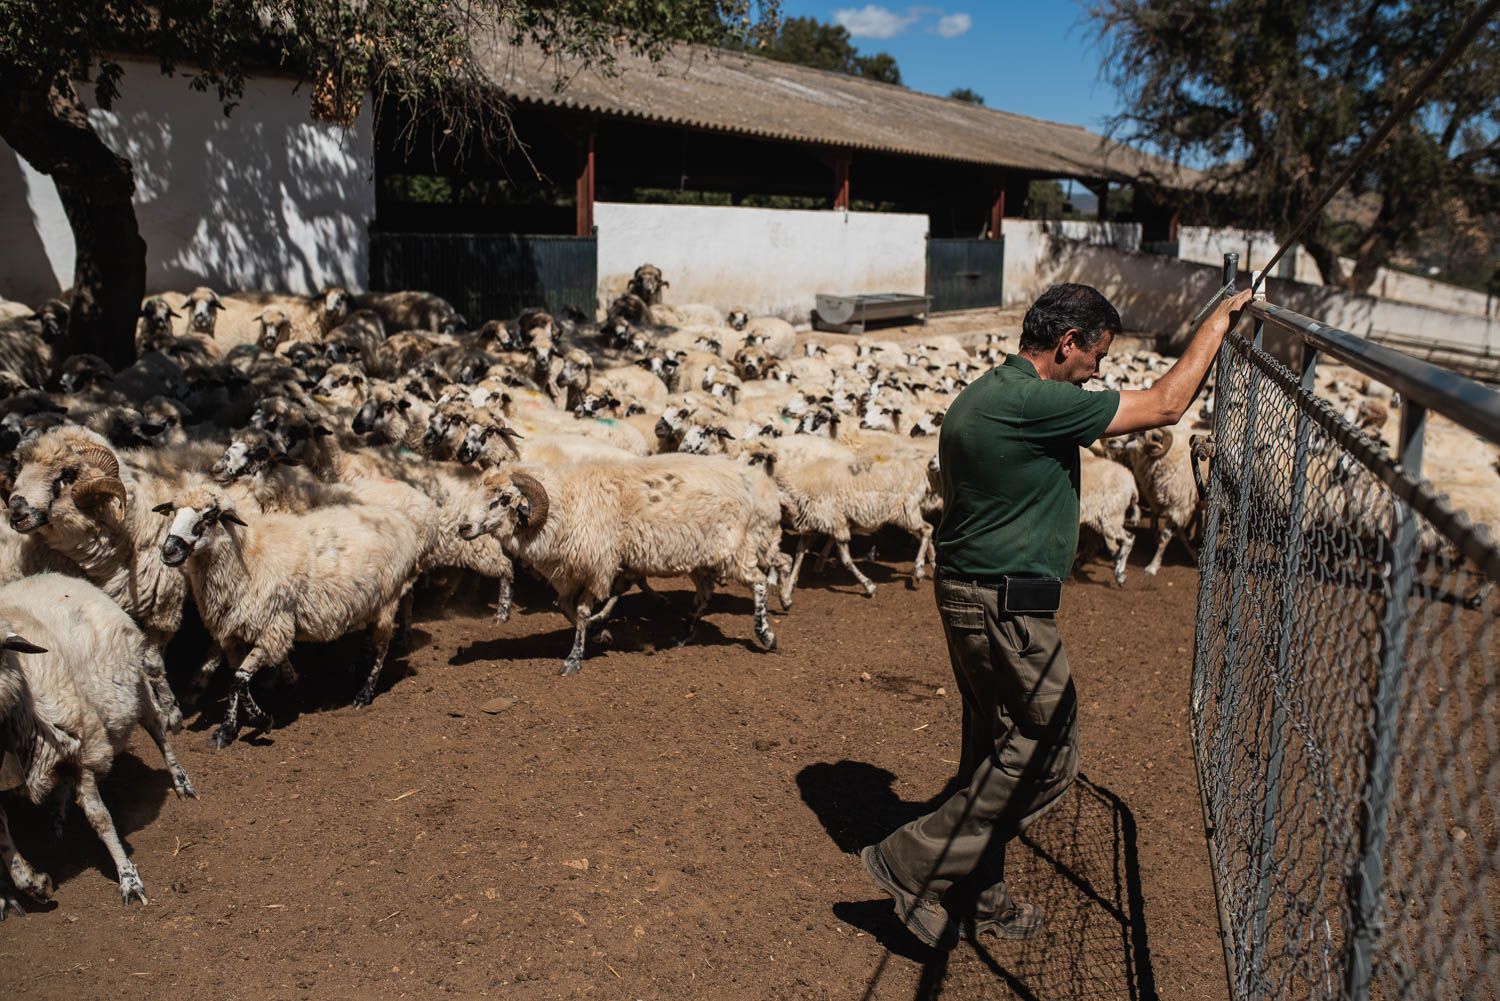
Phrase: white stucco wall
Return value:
(769, 261)
(1160, 295)
(1204, 245)
(262, 199)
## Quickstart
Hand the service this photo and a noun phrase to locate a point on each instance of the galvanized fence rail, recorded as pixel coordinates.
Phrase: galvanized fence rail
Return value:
(1345, 707)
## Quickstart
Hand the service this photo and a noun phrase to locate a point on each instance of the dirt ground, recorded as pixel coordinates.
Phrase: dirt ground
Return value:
(680, 823)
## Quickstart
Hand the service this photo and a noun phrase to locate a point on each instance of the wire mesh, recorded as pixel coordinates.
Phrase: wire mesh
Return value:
(1344, 707)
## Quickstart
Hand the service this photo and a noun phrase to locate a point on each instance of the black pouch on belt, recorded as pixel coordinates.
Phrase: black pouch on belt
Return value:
(1030, 595)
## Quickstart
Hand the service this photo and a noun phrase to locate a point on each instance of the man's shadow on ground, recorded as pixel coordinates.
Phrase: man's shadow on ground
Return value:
(1078, 863)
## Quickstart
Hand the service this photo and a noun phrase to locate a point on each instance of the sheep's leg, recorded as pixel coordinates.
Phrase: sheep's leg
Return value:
(822, 563)
(924, 545)
(792, 575)
(62, 798)
(159, 690)
(848, 562)
(207, 670)
(581, 617)
(155, 726)
(1188, 545)
(785, 580)
(704, 581)
(243, 674)
(504, 599)
(1123, 546)
(651, 592)
(104, 826)
(27, 879)
(381, 633)
(1163, 536)
(763, 634)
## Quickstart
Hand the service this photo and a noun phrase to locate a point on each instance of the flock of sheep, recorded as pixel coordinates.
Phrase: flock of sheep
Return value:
(297, 465)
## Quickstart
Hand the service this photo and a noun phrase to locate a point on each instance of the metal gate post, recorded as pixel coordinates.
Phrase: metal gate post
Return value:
(1279, 680)
(1207, 583)
(1365, 882)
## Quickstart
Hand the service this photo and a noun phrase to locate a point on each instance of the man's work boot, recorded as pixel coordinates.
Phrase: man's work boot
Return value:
(1019, 922)
(926, 919)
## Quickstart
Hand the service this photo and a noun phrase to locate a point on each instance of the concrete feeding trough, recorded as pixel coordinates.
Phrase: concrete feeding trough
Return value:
(848, 314)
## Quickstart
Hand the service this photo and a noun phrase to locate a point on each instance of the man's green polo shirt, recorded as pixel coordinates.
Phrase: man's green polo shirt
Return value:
(1009, 457)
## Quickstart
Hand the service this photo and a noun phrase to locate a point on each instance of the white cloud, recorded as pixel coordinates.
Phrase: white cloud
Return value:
(953, 25)
(873, 21)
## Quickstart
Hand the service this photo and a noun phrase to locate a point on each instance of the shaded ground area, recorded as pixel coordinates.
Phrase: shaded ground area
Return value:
(672, 824)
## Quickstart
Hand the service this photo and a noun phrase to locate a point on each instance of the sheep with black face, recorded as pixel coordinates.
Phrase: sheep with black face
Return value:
(265, 581)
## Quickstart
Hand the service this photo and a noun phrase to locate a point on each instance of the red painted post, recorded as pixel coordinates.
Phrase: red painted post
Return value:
(997, 210)
(841, 181)
(585, 189)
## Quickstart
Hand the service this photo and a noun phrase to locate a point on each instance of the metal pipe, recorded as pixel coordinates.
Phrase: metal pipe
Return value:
(1463, 401)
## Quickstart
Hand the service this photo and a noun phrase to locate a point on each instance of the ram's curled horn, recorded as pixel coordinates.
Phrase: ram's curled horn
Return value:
(1160, 445)
(536, 495)
(105, 484)
(101, 457)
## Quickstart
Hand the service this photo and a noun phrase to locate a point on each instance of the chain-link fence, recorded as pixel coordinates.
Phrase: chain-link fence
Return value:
(1344, 703)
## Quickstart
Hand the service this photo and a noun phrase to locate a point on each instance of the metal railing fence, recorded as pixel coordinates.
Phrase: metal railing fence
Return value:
(1345, 708)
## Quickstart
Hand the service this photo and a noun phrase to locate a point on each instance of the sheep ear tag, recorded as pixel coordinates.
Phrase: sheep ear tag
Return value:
(21, 644)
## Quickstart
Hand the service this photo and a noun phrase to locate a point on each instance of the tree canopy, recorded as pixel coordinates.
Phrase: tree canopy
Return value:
(966, 94)
(410, 54)
(809, 42)
(1283, 93)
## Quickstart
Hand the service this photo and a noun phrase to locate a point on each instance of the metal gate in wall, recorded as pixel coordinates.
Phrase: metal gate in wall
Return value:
(965, 274)
(489, 275)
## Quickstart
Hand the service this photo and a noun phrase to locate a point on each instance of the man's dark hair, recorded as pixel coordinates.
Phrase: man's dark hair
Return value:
(1067, 307)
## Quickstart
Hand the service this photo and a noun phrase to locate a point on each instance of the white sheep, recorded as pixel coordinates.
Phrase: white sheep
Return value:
(29, 344)
(591, 527)
(75, 679)
(829, 489)
(75, 494)
(266, 582)
(1108, 504)
(1162, 462)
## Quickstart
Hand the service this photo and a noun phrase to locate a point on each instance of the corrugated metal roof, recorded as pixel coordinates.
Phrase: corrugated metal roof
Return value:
(732, 92)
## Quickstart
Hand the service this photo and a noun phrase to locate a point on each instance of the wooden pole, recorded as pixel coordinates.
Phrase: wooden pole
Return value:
(585, 187)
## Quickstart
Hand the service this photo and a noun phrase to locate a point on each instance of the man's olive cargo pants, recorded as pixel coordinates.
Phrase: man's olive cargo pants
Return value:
(1020, 750)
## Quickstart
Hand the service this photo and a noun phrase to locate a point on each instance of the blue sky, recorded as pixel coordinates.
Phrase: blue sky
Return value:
(1032, 58)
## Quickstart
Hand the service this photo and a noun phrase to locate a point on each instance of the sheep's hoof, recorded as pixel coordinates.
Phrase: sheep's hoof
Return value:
(1151, 571)
(131, 887)
(869, 590)
(183, 785)
(364, 697)
(222, 737)
(571, 666)
(502, 615)
(765, 638)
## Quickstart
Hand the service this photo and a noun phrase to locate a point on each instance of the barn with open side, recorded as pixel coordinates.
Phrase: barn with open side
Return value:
(750, 182)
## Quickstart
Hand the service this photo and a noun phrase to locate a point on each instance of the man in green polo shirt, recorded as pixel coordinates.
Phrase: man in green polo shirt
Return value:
(1009, 453)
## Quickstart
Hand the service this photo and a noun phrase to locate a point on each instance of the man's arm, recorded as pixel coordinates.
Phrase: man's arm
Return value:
(1165, 403)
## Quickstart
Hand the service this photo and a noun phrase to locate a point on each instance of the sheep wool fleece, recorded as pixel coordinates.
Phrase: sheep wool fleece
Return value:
(1010, 467)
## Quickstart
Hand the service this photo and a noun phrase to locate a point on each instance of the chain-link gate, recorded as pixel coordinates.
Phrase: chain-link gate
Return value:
(1345, 701)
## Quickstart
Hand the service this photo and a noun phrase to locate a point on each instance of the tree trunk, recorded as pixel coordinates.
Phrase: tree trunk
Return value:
(50, 129)
(1327, 260)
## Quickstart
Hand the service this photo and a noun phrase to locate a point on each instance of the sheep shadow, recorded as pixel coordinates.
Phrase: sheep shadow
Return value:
(135, 794)
(639, 624)
(1079, 863)
(323, 677)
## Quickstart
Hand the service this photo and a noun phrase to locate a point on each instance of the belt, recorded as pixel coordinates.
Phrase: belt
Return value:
(994, 583)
